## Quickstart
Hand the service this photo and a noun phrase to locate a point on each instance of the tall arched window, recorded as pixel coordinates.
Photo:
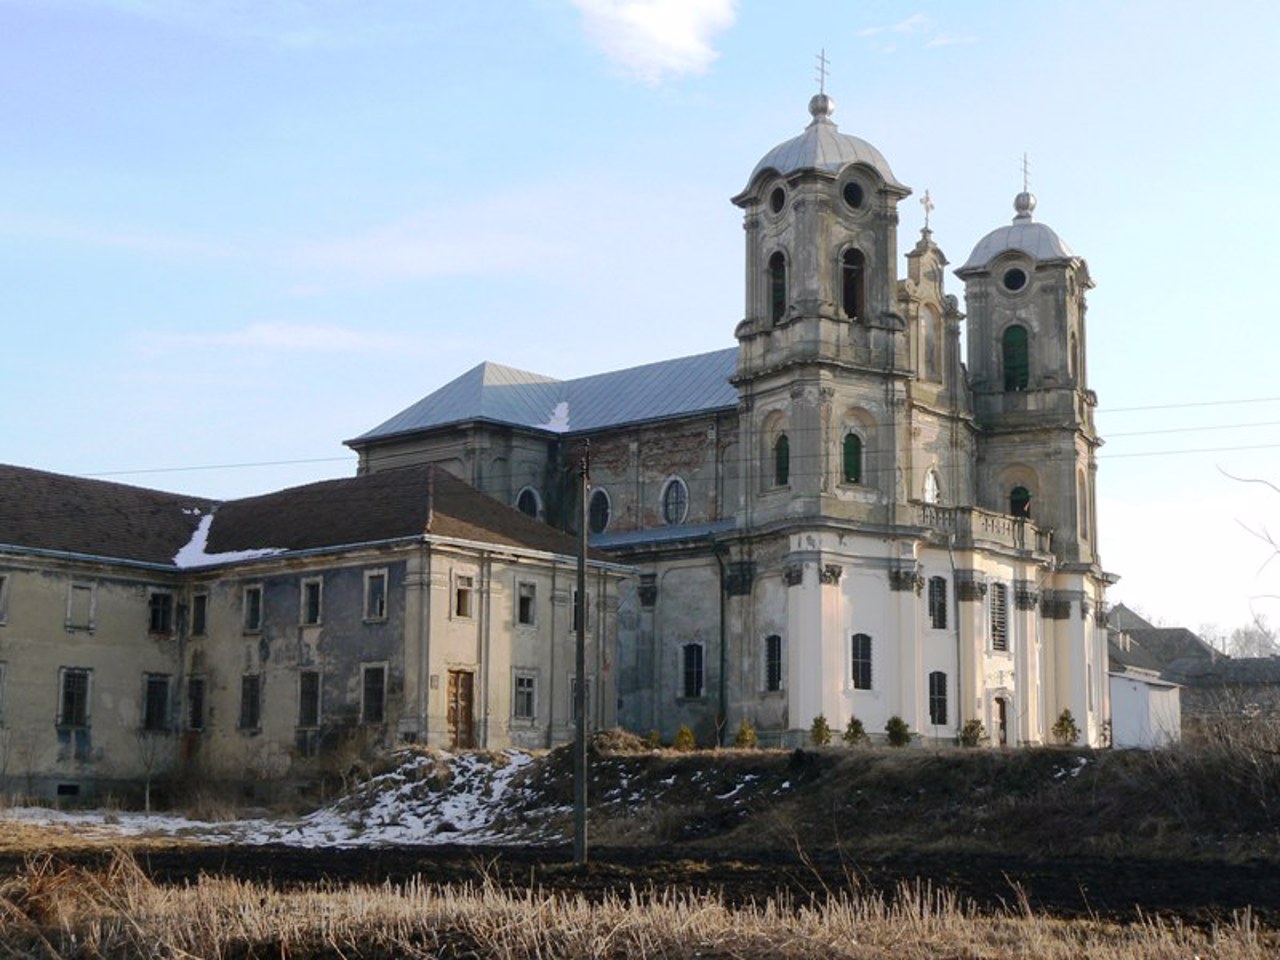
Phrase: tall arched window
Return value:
(851, 467)
(1017, 368)
(938, 698)
(1020, 502)
(777, 287)
(781, 461)
(853, 276)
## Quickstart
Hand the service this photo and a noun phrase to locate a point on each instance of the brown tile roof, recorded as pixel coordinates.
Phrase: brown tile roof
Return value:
(386, 505)
(51, 511)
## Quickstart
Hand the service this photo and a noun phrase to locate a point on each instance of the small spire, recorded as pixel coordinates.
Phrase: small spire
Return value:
(927, 202)
(1026, 173)
(821, 107)
(823, 62)
(1024, 204)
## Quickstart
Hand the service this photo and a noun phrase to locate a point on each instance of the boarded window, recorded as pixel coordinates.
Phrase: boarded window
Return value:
(250, 702)
(999, 617)
(860, 660)
(773, 662)
(374, 702)
(80, 607)
(1017, 367)
(938, 603)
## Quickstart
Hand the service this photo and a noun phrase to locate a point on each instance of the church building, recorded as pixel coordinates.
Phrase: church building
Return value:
(840, 516)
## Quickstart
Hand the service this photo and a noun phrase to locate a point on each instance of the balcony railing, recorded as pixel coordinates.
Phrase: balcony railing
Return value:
(972, 524)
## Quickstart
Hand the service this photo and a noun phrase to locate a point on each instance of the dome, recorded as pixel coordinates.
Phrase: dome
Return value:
(1025, 235)
(823, 147)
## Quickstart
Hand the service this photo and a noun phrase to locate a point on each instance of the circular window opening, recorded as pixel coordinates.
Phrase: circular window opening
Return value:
(853, 195)
(1014, 279)
(675, 501)
(527, 502)
(598, 512)
(777, 199)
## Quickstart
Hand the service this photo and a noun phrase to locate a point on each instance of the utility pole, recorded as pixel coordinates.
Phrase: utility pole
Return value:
(580, 674)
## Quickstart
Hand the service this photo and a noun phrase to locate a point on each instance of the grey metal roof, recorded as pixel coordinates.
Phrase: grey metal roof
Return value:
(1036, 240)
(823, 147)
(490, 391)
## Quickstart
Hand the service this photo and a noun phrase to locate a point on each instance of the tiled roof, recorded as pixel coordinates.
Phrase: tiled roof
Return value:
(51, 511)
(490, 391)
(386, 505)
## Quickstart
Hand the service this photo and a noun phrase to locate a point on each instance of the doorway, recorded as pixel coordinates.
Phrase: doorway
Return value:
(461, 709)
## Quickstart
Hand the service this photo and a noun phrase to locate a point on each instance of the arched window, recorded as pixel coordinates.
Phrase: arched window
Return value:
(853, 277)
(860, 661)
(938, 698)
(528, 502)
(938, 603)
(1017, 370)
(777, 287)
(851, 467)
(675, 501)
(932, 489)
(781, 461)
(1020, 502)
(598, 512)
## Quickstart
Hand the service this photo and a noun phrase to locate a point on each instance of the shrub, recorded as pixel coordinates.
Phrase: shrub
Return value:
(1065, 730)
(972, 733)
(820, 732)
(898, 731)
(654, 740)
(855, 734)
(746, 735)
(684, 740)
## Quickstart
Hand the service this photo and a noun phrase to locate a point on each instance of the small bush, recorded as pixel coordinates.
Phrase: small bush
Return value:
(855, 734)
(685, 740)
(972, 733)
(1065, 730)
(746, 735)
(654, 740)
(820, 732)
(898, 732)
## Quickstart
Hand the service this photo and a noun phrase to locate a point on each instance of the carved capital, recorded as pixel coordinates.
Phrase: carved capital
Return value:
(648, 589)
(831, 573)
(905, 577)
(1026, 595)
(793, 574)
(970, 585)
(1055, 605)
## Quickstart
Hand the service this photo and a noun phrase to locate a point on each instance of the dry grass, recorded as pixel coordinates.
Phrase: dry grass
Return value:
(55, 911)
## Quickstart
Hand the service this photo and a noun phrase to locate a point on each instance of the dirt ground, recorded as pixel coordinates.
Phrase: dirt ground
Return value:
(1106, 889)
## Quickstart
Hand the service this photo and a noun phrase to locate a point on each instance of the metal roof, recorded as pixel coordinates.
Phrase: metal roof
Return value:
(655, 391)
(1036, 240)
(823, 147)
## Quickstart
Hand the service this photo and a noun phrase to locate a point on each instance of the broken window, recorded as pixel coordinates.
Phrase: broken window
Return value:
(693, 678)
(938, 603)
(375, 595)
(155, 702)
(312, 594)
(374, 694)
(250, 702)
(73, 700)
(860, 661)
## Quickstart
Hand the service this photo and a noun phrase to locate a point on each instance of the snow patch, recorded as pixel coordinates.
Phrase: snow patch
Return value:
(559, 420)
(194, 554)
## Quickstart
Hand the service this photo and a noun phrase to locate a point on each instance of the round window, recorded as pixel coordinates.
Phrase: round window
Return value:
(853, 195)
(675, 501)
(777, 199)
(1014, 279)
(598, 512)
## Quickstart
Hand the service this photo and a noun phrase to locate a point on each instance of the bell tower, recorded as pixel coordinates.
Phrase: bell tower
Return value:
(1025, 292)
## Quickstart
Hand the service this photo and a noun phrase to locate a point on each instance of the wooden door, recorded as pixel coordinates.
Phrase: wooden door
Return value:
(461, 710)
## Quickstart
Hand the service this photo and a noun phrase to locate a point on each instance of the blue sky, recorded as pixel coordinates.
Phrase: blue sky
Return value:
(238, 232)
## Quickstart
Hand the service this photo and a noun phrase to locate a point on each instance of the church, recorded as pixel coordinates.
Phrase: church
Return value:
(841, 516)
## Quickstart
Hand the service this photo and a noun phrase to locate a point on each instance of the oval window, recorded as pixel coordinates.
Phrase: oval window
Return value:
(675, 501)
(853, 194)
(777, 199)
(1014, 279)
(598, 512)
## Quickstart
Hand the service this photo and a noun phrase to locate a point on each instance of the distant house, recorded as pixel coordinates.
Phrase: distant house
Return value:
(145, 634)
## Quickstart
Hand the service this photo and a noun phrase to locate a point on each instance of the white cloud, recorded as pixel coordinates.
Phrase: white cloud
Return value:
(653, 40)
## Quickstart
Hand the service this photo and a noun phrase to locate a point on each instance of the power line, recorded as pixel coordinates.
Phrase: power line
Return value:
(219, 466)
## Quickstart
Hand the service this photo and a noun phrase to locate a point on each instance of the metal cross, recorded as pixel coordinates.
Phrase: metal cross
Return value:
(823, 62)
(927, 202)
(1026, 174)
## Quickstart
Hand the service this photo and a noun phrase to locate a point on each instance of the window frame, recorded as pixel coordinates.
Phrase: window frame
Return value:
(937, 698)
(249, 719)
(157, 707)
(693, 668)
(367, 669)
(311, 614)
(1015, 358)
(200, 614)
(309, 702)
(773, 663)
(160, 613)
(464, 590)
(853, 283)
(375, 616)
(852, 452)
(776, 274)
(781, 460)
(81, 714)
(596, 523)
(74, 589)
(524, 702)
(257, 607)
(861, 662)
(937, 602)
(526, 607)
(675, 492)
(998, 617)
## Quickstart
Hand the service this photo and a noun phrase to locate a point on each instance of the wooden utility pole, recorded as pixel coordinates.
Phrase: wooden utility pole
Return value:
(580, 671)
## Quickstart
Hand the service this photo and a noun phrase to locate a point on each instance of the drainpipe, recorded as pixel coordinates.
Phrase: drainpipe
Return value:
(961, 696)
(722, 696)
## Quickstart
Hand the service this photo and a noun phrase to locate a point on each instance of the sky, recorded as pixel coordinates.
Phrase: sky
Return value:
(234, 233)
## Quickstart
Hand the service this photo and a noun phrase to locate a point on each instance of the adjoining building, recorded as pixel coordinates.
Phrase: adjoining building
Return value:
(275, 639)
(837, 517)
